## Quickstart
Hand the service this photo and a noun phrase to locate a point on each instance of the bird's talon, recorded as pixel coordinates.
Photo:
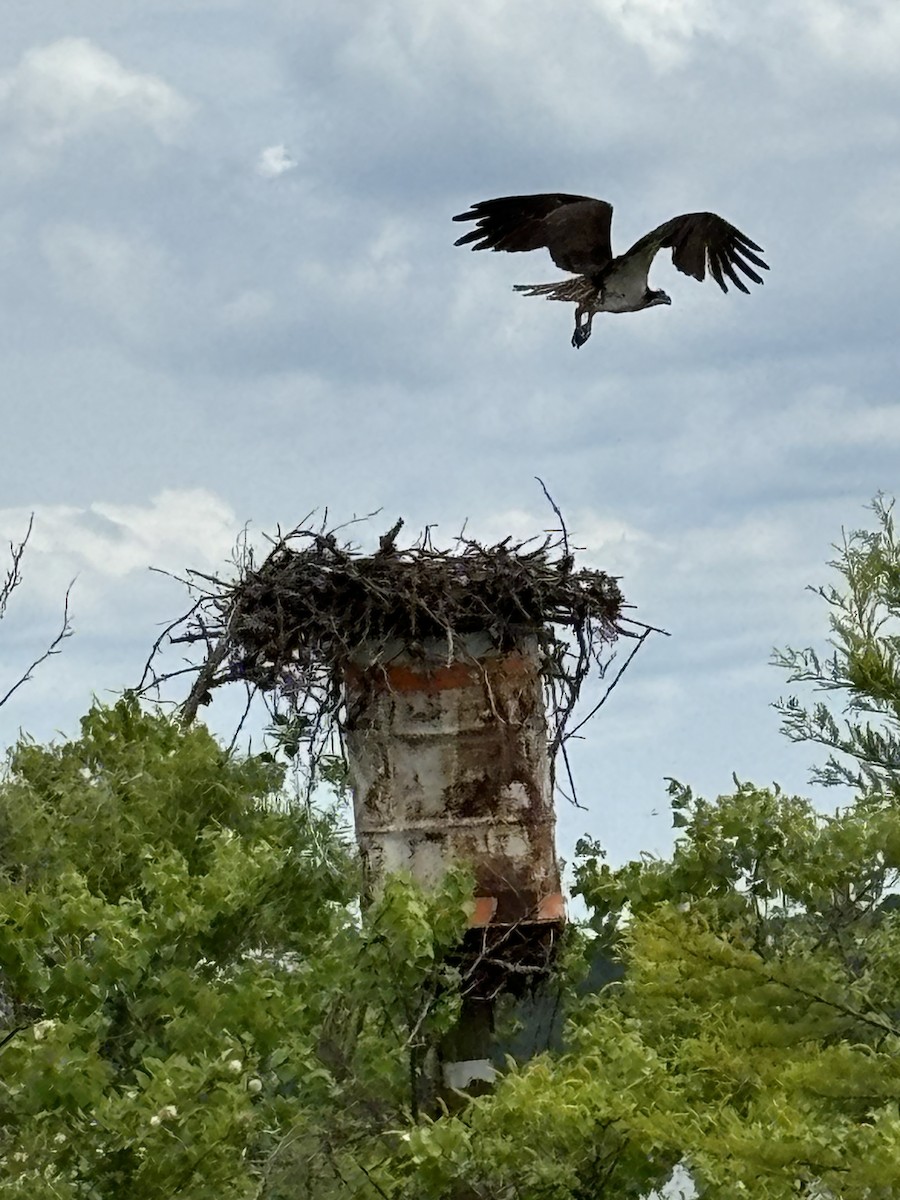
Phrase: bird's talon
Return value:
(580, 336)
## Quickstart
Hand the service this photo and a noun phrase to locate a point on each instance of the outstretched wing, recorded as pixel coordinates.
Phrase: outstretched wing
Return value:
(575, 229)
(701, 240)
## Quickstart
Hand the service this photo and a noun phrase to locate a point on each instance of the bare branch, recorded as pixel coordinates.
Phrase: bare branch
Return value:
(618, 675)
(556, 509)
(14, 574)
(65, 631)
(205, 681)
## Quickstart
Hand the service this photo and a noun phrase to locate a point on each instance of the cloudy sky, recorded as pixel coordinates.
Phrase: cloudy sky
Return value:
(230, 295)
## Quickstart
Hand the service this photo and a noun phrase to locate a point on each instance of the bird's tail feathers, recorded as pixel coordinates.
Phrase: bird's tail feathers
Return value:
(573, 290)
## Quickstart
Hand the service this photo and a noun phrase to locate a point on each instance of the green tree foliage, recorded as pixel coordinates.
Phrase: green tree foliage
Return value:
(862, 667)
(191, 996)
(751, 1047)
(201, 1008)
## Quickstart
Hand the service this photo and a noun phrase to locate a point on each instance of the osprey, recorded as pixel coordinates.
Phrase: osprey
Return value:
(576, 231)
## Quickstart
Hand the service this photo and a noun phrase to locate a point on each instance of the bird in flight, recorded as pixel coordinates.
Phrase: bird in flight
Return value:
(576, 231)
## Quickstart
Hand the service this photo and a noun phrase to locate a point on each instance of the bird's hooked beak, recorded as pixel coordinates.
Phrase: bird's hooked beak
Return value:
(653, 298)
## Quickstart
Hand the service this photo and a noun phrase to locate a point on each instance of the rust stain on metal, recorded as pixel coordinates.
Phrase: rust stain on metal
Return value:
(485, 911)
(398, 677)
(449, 763)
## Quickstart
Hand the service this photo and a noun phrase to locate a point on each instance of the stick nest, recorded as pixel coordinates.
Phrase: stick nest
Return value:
(318, 604)
(288, 626)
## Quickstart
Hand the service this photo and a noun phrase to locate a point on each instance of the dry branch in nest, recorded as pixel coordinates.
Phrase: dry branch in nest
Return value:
(289, 626)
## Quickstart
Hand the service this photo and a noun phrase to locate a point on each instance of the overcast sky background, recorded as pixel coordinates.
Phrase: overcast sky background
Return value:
(230, 295)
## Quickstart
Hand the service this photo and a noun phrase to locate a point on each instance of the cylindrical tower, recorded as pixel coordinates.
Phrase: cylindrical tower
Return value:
(435, 670)
(448, 759)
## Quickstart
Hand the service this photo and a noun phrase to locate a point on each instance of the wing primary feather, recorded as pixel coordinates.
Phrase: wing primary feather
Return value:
(715, 270)
(742, 237)
(748, 271)
(574, 229)
(753, 258)
(729, 270)
(472, 236)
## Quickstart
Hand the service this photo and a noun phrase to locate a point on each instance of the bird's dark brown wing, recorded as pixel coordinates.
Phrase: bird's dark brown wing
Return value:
(701, 240)
(575, 229)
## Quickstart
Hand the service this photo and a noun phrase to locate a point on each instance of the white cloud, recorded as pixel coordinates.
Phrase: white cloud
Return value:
(855, 36)
(119, 276)
(721, 437)
(663, 29)
(104, 543)
(604, 542)
(274, 161)
(737, 574)
(248, 308)
(71, 88)
(116, 605)
(876, 204)
(383, 268)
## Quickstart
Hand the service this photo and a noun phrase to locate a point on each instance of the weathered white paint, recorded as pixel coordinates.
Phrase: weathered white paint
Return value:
(448, 762)
(459, 1075)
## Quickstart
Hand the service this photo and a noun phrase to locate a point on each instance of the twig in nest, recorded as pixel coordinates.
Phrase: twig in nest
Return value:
(291, 625)
(556, 509)
(618, 675)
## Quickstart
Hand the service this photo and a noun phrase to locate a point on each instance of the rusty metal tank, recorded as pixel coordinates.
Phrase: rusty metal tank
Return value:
(448, 761)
